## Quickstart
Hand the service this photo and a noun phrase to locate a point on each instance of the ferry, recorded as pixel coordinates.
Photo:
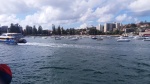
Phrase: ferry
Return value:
(12, 38)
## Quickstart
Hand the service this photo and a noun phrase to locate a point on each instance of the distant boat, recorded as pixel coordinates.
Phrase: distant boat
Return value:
(57, 38)
(44, 37)
(139, 38)
(99, 39)
(121, 37)
(94, 37)
(123, 40)
(146, 39)
(74, 39)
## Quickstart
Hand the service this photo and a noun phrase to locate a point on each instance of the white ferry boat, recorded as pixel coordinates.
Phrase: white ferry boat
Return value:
(12, 37)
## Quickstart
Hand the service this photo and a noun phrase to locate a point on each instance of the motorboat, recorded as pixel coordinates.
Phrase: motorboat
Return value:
(12, 37)
(146, 39)
(44, 37)
(57, 38)
(74, 39)
(99, 39)
(123, 40)
(94, 37)
(139, 38)
(121, 37)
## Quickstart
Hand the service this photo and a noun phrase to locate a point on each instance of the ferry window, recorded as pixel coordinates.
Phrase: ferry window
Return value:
(3, 35)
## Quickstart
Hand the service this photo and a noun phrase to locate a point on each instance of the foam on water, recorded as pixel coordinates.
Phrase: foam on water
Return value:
(58, 45)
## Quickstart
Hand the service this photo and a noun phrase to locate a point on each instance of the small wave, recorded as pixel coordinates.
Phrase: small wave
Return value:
(39, 62)
(119, 80)
(98, 72)
(131, 76)
(138, 70)
(123, 55)
(144, 64)
(64, 68)
(87, 70)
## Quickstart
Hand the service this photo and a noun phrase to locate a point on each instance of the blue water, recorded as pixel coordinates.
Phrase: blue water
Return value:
(86, 61)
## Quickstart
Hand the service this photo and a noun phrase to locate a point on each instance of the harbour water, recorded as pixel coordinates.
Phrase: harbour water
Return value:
(86, 61)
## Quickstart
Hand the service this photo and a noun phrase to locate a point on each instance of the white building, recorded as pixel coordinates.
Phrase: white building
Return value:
(100, 27)
(118, 25)
(108, 27)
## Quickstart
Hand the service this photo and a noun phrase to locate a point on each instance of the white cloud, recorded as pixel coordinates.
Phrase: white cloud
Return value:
(126, 18)
(84, 25)
(106, 18)
(140, 5)
(121, 18)
(6, 19)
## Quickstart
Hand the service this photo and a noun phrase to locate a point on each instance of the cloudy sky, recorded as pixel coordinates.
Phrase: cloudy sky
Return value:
(72, 13)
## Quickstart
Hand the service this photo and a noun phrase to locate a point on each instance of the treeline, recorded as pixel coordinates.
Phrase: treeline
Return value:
(38, 31)
(62, 31)
(29, 30)
(87, 31)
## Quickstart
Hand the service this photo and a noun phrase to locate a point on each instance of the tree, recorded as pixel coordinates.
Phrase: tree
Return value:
(34, 30)
(28, 30)
(45, 32)
(40, 30)
(93, 31)
(54, 30)
(59, 30)
(15, 28)
(73, 31)
(62, 31)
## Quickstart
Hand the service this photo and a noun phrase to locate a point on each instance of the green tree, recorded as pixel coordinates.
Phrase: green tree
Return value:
(53, 29)
(62, 31)
(59, 30)
(15, 28)
(40, 30)
(34, 30)
(28, 30)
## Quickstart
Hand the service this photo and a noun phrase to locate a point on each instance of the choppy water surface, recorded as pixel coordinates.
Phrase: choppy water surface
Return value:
(86, 61)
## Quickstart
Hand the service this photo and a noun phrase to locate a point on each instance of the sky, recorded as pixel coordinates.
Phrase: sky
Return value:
(72, 13)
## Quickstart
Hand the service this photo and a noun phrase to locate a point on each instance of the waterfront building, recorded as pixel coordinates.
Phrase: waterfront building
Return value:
(108, 27)
(118, 25)
(100, 27)
(146, 33)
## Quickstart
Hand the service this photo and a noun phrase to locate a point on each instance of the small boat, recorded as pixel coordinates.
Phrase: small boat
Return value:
(139, 37)
(99, 39)
(123, 40)
(57, 38)
(74, 39)
(146, 39)
(121, 37)
(44, 37)
(94, 37)
(21, 40)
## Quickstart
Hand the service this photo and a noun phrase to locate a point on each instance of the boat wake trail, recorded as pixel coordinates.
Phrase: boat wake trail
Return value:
(58, 45)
